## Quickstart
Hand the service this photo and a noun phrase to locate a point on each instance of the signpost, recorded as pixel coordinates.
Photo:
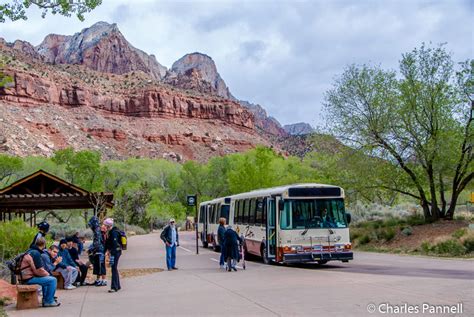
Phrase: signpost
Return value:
(192, 201)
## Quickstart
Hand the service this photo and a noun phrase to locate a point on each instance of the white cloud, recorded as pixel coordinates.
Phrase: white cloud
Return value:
(281, 54)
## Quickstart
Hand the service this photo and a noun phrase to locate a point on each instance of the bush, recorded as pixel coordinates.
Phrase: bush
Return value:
(468, 243)
(407, 231)
(15, 237)
(364, 239)
(388, 234)
(425, 247)
(449, 247)
(136, 230)
(459, 233)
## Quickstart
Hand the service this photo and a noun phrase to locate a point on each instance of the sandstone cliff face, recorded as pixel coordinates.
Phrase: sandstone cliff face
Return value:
(263, 122)
(150, 102)
(197, 65)
(102, 48)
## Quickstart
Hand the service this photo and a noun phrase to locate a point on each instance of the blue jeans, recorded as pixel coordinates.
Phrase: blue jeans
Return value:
(171, 256)
(222, 260)
(48, 284)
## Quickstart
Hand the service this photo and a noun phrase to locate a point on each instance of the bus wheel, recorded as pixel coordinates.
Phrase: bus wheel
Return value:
(265, 258)
(322, 262)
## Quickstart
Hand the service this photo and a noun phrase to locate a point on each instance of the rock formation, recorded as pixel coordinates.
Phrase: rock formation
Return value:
(102, 48)
(202, 68)
(300, 128)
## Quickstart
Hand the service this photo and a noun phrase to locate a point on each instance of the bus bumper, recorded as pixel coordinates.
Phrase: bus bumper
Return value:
(310, 257)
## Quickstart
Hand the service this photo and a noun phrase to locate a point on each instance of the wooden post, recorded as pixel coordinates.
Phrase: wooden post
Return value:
(34, 217)
(31, 219)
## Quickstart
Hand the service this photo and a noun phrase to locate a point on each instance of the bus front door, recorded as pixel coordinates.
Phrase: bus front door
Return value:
(205, 227)
(271, 234)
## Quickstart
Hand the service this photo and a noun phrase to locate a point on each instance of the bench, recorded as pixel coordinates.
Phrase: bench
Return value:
(27, 296)
(60, 280)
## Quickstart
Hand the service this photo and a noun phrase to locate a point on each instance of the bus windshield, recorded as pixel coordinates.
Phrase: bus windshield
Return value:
(313, 213)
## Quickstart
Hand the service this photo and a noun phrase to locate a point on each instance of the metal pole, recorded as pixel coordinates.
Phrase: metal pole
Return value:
(196, 225)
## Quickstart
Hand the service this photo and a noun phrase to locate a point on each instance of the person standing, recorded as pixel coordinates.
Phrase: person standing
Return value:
(113, 246)
(43, 228)
(220, 240)
(96, 251)
(231, 243)
(170, 237)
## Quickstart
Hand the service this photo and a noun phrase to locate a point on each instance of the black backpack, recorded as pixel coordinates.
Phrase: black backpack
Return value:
(15, 264)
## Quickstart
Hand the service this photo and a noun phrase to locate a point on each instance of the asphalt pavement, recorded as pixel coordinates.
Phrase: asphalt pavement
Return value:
(371, 285)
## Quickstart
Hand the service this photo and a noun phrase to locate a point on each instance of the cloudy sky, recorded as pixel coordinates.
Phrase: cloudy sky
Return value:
(280, 54)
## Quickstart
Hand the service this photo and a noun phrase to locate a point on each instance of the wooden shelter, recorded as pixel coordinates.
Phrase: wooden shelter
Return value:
(42, 191)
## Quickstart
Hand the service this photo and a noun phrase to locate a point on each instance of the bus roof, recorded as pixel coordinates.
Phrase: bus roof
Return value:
(273, 191)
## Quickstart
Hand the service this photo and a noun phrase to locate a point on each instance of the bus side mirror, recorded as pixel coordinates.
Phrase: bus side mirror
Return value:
(348, 217)
(281, 204)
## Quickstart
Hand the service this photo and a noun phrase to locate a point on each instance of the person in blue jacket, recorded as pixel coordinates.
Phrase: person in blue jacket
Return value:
(67, 263)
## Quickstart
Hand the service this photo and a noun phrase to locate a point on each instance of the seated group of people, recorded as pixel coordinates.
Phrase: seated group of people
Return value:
(40, 262)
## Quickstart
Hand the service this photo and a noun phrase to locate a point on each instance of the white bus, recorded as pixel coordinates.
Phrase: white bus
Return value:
(287, 224)
(208, 221)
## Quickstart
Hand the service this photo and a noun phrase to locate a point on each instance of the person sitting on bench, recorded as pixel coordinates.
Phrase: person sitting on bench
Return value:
(68, 264)
(74, 253)
(33, 272)
(52, 264)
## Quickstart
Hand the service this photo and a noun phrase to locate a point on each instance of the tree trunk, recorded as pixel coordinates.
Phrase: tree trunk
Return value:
(442, 196)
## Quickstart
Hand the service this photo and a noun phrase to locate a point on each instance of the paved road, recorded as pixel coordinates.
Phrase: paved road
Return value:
(199, 288)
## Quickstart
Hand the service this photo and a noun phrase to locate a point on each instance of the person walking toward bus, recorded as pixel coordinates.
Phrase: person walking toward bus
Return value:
(231, 243)
(220, 240)
(113, 246)
(170, 237)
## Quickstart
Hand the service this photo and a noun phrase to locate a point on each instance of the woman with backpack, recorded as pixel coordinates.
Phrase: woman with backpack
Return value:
(113, 245)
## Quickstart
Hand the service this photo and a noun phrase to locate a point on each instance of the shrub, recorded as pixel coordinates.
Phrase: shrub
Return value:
(388, 234)
(459, 233)
(137, 230)
(407, 231)
(364, 239)
(15, 237)
(425, 247)
(449, 247)
(468, 243)
(415, 220)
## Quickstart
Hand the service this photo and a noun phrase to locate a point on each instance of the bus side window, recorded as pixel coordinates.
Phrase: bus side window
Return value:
(236, 205)
(224, 212)
(201, 214)
(245, 213)
(239, 212)
(259, 212)
(252, 210)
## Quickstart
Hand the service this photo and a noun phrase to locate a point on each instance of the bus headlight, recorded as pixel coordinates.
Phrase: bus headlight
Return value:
(296, 248)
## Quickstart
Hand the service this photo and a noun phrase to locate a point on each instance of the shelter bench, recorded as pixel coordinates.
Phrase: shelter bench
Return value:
(27, 296)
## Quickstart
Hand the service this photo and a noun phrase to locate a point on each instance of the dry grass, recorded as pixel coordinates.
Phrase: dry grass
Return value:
(126, 273)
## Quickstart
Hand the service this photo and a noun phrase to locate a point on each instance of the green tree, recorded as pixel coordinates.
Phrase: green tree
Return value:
(415, 121)
(83, 168)
(4, 79)
(16, 9)
(9, 167)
